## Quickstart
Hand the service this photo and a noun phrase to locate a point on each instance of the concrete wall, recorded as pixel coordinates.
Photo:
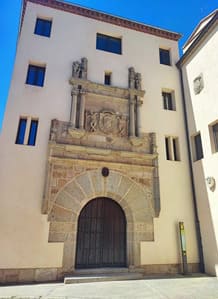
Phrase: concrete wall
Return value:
(24, 230)
(202, 111)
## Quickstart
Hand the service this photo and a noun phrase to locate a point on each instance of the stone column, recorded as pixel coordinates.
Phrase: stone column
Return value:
(74, 94)
(138, 119)
(82, 109)
(132, 116)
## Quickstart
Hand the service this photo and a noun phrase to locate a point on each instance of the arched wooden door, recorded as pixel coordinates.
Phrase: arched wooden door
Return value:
(101, 235)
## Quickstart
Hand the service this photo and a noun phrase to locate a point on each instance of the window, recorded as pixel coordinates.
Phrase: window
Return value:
(21, 131)
(107, 78)
(27, 131)
(164, 56)
(168, 100)
(172, 148)
(197, 147)
(214, 137)
(43, 27)
(33, 132)
(35, 75)
(108, 43)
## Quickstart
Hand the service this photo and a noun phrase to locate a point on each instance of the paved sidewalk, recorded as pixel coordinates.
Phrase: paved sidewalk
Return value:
(165, 288)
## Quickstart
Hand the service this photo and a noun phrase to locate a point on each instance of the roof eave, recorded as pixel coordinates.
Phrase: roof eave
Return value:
(107, 18)
(204, 33)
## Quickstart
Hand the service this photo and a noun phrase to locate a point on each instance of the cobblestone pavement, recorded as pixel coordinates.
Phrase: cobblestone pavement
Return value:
(165, 288)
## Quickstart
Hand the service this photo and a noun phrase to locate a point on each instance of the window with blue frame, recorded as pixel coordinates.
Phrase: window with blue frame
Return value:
(27, 129)
(35, 75)
(33, 132)
(109, 43)
(21, 131)
(43, 27)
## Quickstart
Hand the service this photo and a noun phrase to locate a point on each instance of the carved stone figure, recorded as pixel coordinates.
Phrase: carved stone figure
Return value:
(138, 81)
(84, 67)
(131, 77)
(122, 126)
(135, 79)
(211, 183)
(76, 69)
(198, 84)
(79, 69)
(54, 129)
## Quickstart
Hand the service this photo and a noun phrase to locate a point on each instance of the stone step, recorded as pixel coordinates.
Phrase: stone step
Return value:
(97, 277)
(101, 271)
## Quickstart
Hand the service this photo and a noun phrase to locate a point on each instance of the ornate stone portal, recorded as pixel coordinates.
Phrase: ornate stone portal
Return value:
(102, 133)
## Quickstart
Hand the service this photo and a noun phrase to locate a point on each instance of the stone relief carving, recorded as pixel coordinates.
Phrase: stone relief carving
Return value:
(135, 79)
(211, 182)
(54, 129)
(79, 69)
(198, 84)
(107, 122)
(84, 68)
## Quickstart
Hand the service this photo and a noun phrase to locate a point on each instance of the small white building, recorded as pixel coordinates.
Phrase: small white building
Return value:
(199, 68)
(93, 152)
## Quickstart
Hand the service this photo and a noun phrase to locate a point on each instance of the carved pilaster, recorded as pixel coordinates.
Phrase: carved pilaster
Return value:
(74, 94)
(135, 102)
(138, 115)
(131, 78)
(82, 109)
(156, 186)
(132, 116)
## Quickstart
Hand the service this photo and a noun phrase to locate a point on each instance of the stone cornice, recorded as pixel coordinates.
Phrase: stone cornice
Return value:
(107, 90)
(107, 18)
(70, 152)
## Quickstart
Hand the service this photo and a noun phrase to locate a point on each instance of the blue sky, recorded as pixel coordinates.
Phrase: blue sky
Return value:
(180, 16)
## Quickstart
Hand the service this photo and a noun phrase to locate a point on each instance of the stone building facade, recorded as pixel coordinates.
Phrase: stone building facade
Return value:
(95, 148)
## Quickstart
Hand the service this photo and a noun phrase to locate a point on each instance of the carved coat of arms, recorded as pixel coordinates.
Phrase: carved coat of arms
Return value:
(107, 122)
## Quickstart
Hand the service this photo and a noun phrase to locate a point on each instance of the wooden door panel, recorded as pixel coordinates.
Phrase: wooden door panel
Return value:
(101, 236)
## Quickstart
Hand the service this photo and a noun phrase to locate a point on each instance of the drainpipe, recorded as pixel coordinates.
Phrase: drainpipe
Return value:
(197, 222)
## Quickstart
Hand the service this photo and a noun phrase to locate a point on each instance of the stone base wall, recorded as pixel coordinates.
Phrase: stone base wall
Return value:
(30, 275)
(8, 276)
(169, 268)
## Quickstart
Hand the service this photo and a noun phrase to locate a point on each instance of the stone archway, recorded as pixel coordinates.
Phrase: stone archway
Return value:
(135, 201)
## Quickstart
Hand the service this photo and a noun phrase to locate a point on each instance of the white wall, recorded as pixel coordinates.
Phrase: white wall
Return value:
(22, 173)
(202, 111)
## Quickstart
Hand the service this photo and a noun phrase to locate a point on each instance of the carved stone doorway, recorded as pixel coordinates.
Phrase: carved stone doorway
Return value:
(101, 235)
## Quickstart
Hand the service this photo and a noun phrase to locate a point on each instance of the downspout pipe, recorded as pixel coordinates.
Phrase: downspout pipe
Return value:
(197, 222)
